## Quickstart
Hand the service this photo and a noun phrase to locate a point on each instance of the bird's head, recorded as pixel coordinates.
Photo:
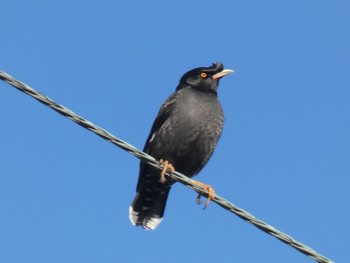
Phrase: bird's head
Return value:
(204, 78)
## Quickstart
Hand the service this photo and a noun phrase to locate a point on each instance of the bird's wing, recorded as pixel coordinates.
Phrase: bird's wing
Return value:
(162, 116)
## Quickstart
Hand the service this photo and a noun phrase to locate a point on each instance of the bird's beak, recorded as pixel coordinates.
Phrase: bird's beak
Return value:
(222, 73)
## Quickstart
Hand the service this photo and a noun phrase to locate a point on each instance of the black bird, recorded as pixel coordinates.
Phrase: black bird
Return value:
(184, 134)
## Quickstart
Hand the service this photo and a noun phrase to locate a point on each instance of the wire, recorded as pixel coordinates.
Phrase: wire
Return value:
(155, 163)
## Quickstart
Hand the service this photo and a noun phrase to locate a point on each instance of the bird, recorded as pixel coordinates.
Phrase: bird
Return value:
(183, 137)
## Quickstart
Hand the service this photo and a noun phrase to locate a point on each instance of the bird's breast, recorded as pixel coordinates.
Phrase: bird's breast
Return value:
(191, 133)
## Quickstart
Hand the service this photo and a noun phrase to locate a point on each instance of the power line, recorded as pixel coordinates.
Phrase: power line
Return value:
(155, 163)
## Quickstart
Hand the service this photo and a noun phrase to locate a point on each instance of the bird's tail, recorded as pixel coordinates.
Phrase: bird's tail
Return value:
(148, 207)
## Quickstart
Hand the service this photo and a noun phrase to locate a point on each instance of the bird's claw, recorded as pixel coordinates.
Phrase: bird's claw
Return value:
(167, 166)
(211, 194)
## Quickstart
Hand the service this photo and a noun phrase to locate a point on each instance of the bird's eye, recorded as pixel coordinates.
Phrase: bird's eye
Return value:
(204, 75)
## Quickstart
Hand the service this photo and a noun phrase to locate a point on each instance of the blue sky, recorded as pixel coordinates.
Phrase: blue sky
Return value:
(283, 156)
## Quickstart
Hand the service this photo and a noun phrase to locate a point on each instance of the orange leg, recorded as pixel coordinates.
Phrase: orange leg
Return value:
(167, 166)
(211, 193)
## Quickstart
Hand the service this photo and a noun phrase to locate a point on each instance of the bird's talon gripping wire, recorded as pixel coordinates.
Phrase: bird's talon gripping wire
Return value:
(167, 166)
(211, 193)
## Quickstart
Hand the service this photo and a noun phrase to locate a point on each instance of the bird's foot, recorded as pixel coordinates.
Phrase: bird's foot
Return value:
(211, 193)
(167, 166)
